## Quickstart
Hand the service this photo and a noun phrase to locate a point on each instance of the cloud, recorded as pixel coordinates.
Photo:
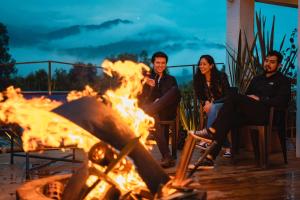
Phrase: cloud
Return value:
(34, 36)
(77, 29)
(137, 45)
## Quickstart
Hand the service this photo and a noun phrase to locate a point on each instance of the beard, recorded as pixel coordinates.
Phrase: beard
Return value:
(269, 70)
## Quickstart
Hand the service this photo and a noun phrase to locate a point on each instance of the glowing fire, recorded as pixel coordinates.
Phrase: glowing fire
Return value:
(88, 91)
(42, 128)
(124, 98)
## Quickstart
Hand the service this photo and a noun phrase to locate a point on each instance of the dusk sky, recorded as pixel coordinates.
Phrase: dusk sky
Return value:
(90, 30)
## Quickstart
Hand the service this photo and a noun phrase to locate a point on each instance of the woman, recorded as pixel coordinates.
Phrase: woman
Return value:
(211, 86)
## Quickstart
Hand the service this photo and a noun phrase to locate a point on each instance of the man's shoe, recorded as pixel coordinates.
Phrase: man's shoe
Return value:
(204, 135)
(167, 163)
(205, 164)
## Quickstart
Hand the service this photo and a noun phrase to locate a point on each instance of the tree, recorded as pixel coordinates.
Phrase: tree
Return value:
(81, 75)
(37, 81)
(7, 68)
(142, 57)
(61, 80)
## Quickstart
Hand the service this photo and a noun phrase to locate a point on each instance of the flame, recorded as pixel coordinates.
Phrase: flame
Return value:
(88, 91)
(124, 98)
(42, 128)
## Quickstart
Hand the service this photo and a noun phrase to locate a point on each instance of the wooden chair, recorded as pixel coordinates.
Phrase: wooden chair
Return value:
(174, 127)
(260, 140)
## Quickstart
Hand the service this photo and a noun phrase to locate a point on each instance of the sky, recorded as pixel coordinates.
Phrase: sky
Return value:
(88, 31)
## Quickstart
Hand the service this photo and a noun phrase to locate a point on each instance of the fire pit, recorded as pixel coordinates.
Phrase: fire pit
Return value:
(72, 187)
(112, 131)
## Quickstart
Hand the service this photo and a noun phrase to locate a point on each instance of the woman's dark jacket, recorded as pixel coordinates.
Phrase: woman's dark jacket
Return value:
(217, 91)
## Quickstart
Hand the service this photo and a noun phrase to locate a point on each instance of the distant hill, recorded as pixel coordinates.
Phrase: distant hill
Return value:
(74, 30)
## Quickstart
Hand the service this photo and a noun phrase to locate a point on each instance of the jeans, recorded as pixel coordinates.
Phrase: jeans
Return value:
(212, 115)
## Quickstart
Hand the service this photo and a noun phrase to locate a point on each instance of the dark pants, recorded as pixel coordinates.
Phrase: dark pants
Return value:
(238, 110)
(162, 138)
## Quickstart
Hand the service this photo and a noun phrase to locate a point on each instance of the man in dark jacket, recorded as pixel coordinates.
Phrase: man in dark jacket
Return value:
(271, 89)
(163, 96)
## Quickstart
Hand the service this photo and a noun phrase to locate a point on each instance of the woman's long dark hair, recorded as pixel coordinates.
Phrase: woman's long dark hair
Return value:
(200, 81)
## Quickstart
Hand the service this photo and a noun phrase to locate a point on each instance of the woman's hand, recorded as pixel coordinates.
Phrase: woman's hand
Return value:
(207, 106)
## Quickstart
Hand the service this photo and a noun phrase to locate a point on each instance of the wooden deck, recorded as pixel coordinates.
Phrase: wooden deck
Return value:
(243, 180)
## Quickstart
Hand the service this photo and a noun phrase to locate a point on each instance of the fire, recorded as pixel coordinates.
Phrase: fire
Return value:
(124, 98)
(88, 91)
(42, 128)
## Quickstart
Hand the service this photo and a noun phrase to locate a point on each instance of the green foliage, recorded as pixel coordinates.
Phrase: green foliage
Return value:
(36, 81)
(189, 114)
(61, 80)
(142, 57)
(247, 60)
(81, 75)
(8, 70)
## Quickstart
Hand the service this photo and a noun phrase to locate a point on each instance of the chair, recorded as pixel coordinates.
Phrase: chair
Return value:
(15, 138)
(260, 141)
(174, 127)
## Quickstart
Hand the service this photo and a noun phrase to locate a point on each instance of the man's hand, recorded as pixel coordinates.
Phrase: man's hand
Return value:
(207, 106)
(150, 82)
(253, 97)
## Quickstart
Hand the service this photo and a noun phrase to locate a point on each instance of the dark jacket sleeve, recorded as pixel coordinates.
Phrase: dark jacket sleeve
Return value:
(250, 89)
(282, 97)
(225, 84)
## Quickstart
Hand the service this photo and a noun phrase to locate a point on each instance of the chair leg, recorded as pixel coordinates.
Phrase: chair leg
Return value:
(27, 163)
(234, 143)
(282, 138)
(174, 141)
(263, 146)
(11, 149)
(254, 139)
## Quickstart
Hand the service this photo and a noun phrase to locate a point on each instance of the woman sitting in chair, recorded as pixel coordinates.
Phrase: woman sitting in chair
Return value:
(211, 86)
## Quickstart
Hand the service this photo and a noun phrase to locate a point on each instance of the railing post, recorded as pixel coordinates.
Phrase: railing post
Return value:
(49, 78)
(195, 100)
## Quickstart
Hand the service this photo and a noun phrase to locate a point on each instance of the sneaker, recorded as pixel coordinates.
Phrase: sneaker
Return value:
(227, 153)
(167, 163)
(204, 135)
(205, 164)
(202, 145)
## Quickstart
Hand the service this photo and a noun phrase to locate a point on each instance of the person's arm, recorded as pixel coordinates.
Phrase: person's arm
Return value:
(225, 84)
(250, 89)
(282, 97)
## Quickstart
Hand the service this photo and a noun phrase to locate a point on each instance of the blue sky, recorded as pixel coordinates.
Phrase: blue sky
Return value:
(88, 31)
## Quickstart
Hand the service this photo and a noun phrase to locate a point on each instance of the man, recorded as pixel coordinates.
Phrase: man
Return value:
(163, 96)
(271, 89)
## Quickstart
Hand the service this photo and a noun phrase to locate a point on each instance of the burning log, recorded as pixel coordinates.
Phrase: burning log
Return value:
(104, 123)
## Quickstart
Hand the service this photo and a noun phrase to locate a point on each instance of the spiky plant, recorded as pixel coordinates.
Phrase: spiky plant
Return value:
(247, 60)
